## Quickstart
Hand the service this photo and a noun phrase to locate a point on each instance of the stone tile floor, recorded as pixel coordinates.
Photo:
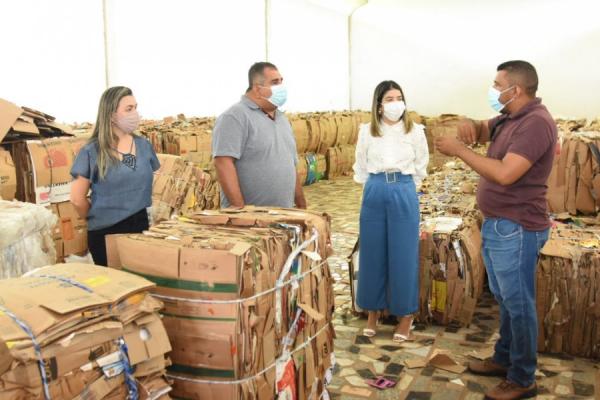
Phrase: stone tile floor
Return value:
(360, 358)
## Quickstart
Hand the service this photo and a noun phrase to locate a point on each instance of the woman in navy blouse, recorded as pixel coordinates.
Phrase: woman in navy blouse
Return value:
(118, 167)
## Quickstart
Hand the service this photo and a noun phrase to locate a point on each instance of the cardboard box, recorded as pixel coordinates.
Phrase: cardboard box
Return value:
(8, 176)
(43, 169)
(79, 314)
(214, 256)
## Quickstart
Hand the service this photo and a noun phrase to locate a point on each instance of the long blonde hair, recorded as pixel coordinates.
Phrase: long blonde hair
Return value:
(380, 91)
(103, 134)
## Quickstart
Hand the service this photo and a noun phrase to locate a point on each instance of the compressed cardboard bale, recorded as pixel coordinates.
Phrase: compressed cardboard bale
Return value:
(345, 128)
(8, 176)
(315, 134)
(574, 182)
(333, 159)
(181, 186)
(328, 133)
(568, 293)
(301, 133)
(88, 326)
(216, 271)
(452, 270)
(26, 241)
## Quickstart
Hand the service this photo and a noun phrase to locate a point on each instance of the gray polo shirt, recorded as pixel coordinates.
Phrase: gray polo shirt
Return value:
(264, 152)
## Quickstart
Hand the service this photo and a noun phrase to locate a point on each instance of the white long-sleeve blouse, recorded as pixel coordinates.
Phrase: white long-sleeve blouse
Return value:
(393, 151)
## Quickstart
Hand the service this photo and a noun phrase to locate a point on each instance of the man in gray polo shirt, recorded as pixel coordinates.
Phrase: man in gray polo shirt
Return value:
(254, 148)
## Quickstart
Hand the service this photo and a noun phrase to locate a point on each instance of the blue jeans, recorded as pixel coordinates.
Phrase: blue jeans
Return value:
(510, 253)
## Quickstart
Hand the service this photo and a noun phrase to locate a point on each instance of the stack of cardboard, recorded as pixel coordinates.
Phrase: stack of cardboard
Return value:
(240, 325)
(340, 160)
(181, 187)
(81, 332)
(568, 292)
(452, 270)
(8, 176)
(444, 125)
(43, 177)
(18, 122)
(186, 137)
(574, 183)
(43, 168)
(26, 238)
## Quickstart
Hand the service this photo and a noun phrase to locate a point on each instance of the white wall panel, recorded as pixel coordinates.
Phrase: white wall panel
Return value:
(183, 56)
(445, 54)
(309, 45)
(52, 56)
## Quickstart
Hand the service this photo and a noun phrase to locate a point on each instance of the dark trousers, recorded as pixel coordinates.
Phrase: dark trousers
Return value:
(137, 223)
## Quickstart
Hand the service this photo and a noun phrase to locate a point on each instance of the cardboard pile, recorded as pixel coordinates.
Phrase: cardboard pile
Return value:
(78, 331)
(186, 137)
(235, 335)
(43, 177)
(568, 292)
(574, 183)
(70, 232)
(181, 187)
(340, 161)
(43, 168)
(317, 132)
(25, 239)
(452, 271)
(443, 125)
(18, 122)
(8, 176)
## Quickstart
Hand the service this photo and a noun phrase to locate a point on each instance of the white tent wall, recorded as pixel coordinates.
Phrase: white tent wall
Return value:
(309, 44)
(52, 56)
(182, 56)
(444, 54)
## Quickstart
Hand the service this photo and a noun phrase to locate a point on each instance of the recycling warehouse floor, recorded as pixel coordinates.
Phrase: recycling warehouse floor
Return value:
(360, 358)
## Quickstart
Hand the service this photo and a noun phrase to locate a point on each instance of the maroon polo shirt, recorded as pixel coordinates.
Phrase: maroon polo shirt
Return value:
(531, 133)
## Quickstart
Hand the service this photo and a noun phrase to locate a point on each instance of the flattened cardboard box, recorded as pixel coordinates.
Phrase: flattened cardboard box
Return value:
(31, 297)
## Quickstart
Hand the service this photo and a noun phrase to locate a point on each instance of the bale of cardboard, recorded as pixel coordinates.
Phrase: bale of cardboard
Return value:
(181, 187)
(248, 300)
(574, 183)
(26, 240)
(79, 331)
(568, 292)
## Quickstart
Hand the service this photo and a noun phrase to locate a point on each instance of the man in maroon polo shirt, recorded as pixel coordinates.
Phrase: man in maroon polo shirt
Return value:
(512, 198)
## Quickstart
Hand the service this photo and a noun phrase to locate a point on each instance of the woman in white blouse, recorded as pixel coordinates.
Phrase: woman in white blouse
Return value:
(391, 161)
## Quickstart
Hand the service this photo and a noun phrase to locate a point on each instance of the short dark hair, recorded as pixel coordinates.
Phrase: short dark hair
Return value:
(257, 69)
(521, 73)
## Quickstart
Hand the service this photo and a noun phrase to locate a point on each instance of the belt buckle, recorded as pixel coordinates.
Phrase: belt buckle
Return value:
(387, 177)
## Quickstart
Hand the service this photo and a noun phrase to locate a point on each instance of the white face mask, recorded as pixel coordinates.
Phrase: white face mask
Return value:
(394, 110)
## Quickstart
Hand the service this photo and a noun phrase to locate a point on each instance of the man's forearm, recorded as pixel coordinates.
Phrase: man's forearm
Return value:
(299, 198)
(228, 179)
(491, 169)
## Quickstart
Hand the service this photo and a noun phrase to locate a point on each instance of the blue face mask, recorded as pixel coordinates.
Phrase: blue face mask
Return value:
(494, 98)
(278, 95)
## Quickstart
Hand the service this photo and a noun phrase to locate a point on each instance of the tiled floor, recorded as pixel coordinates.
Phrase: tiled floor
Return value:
(359, 358)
